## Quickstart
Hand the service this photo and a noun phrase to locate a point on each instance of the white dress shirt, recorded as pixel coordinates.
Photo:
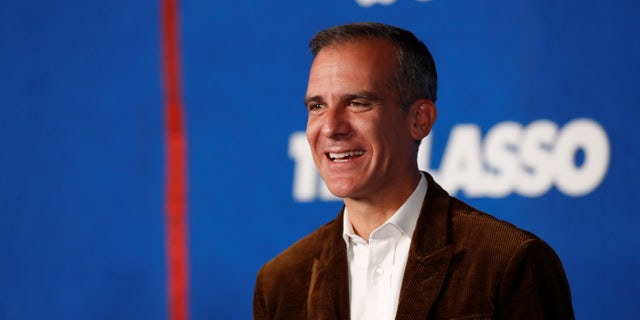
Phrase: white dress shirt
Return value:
(376, 268)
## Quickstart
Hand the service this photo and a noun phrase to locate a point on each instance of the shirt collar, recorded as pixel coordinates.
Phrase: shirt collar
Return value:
(405, 218)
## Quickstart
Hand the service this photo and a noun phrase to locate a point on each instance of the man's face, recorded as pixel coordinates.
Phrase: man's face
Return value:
(359, 136)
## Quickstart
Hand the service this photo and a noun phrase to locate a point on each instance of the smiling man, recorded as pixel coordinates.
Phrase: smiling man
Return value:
(401, 247)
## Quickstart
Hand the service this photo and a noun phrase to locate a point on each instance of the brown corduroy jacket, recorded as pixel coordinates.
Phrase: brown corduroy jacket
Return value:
(463, 264)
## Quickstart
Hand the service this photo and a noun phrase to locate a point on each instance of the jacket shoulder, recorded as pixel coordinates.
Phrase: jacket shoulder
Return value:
(501, 270)
(293, 264)
(282, 283)
(472, 226)
(303, 252)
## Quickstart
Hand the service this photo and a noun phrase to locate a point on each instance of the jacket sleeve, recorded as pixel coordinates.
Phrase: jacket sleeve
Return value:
(534, 285)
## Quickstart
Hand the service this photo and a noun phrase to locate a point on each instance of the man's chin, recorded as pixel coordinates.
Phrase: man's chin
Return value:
(341, 189)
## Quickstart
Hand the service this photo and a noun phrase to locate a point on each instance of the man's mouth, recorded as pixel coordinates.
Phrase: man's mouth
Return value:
(345, 156)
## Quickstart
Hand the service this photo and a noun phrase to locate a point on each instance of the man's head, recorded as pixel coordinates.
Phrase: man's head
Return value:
(363, 122)
(416, 75)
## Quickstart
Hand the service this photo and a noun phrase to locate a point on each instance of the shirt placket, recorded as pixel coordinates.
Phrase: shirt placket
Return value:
(381, 252)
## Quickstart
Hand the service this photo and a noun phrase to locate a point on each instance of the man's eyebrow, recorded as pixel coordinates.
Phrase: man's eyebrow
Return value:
(308, 100)
(366, 95)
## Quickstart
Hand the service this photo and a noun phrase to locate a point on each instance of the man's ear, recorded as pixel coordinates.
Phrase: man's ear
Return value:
(423, 114)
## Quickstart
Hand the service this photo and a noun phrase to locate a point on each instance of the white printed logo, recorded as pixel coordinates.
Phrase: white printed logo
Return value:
(512, 158)
(369, 3)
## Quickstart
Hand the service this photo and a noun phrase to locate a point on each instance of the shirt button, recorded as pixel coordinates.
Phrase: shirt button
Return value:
(379, 272)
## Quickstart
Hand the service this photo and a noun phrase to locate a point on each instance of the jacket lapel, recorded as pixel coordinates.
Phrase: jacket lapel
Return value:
(429, 256)
(328, 296)
(422, 281)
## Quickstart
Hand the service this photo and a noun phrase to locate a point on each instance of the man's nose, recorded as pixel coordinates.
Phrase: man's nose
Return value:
(336, 123)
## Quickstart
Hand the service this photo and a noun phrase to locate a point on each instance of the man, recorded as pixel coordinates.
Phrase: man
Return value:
(401, 247)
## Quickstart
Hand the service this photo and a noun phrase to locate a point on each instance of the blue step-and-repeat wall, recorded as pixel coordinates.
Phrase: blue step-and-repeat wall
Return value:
(538, 116)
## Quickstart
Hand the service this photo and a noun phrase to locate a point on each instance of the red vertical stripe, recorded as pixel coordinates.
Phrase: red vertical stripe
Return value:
(175, 166)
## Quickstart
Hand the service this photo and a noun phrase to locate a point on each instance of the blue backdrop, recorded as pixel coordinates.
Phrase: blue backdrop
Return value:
(538, 103)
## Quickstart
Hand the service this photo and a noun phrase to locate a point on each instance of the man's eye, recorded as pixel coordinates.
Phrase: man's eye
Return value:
(315, 107)
(357, 105)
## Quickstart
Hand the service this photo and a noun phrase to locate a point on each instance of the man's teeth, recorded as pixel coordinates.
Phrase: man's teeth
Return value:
(344, 155)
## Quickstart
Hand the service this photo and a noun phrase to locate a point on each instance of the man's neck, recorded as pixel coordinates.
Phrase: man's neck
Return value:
(366, 215)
